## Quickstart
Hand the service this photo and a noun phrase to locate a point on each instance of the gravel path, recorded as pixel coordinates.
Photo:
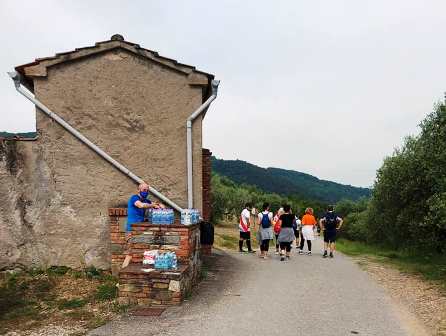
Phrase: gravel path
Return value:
(307, 295)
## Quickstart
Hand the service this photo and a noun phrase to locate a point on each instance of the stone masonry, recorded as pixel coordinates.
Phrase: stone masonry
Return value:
(157, 287)
(131, 102)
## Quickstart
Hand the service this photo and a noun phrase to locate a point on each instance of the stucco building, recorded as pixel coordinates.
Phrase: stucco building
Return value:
(133, 104)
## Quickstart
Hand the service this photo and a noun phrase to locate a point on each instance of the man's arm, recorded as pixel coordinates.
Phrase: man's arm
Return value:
(341, 221)
(321, 223)
(142, 205)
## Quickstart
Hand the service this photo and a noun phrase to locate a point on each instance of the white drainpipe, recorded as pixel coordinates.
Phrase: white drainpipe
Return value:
(17, 82)
(201, 109)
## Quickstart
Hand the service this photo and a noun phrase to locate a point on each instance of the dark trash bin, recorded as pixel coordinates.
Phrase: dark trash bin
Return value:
(206, 233)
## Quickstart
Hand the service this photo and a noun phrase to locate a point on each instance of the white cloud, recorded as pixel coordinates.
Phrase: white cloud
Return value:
(324, 87)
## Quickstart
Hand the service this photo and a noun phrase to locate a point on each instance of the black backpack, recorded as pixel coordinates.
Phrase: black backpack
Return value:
(266, 222)
(331, 221)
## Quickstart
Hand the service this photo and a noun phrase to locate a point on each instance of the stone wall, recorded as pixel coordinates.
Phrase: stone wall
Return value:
(54, 208)
(157, 287)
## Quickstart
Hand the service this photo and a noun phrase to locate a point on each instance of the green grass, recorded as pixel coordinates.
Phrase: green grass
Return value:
(228, 241)
(120, 308)
(430, 265)
(31, 297)
(70, 304)
(227, 236)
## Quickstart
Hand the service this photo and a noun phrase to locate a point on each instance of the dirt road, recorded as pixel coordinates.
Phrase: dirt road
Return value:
(307, 295)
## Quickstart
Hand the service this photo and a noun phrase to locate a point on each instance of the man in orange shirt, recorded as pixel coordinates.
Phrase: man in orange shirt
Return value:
(308, 223)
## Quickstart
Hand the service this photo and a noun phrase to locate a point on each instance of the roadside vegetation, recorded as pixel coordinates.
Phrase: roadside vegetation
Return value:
(58, 295)
(432, 266)
(404, 221)
(407, 209)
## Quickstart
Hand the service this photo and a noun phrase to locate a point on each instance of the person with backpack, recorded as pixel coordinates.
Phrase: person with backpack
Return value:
(330, 224)
(276, 222)
(245, 228)
(265, 232)
(308, 223)
(286, 235)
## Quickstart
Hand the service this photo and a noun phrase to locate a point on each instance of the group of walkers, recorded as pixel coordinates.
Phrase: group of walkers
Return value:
(285, 227)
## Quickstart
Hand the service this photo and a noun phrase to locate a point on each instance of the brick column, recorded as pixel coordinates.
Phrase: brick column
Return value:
(117, 237)
(207, 197)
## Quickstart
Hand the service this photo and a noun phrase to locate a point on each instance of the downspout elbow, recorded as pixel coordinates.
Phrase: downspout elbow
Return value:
(15, 76)
(192, 117)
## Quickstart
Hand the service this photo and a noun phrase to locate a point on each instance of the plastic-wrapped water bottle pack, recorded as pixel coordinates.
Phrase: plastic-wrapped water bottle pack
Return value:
(190, 216)
(166, 260)
(161, 216)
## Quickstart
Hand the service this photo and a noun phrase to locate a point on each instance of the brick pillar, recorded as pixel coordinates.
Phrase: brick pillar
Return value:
(207, 197)
(207, 201)
(117, 237)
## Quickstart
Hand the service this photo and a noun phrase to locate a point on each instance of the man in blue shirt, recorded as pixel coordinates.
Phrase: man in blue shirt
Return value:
(137, 206)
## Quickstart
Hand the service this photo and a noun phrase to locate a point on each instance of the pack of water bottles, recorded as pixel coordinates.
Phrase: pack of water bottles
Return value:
(149, 257)
(161, 216)
(166, 261)
(190, 216)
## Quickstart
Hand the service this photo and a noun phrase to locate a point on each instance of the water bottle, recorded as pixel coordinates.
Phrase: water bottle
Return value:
(160, 216)
(160, 261)
(154, 217)
(164, 216)
(166, 261)
(157, 261)
(174, 261)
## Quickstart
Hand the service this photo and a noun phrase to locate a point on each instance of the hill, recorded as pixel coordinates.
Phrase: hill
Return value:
(287, 182)
(23, 135)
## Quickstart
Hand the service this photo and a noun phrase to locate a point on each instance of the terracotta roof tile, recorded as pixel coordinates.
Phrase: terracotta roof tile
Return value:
(38, 67)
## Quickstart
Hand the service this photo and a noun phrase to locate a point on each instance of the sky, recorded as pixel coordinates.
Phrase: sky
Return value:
(326, 87)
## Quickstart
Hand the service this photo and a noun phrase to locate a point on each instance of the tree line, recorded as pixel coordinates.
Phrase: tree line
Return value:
(407, 207)
(229, 198)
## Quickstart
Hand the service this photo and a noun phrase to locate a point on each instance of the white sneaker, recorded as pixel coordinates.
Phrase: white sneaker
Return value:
(309, 253)
(301, 252)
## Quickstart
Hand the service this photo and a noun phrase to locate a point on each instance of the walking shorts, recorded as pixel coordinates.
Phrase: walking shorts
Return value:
(296, 233)
(245, 235)
(330, 236)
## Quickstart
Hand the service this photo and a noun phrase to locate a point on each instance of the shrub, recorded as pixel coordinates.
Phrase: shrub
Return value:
(106, 291)
(57, 270)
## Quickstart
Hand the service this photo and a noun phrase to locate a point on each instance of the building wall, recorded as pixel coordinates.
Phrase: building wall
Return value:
(133, 109)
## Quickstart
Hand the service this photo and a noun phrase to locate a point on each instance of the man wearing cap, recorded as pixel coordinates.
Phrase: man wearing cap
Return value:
(330, 223)
(137, 205)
